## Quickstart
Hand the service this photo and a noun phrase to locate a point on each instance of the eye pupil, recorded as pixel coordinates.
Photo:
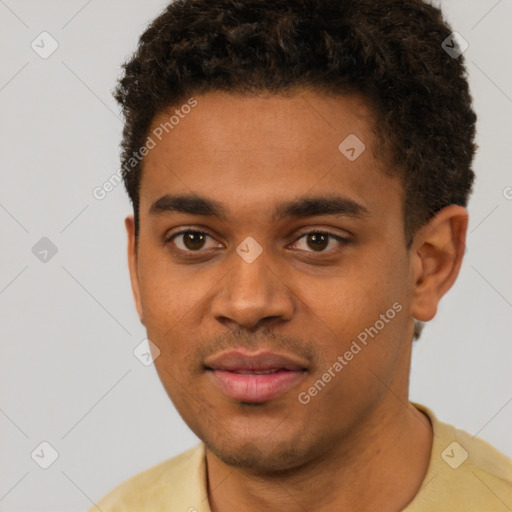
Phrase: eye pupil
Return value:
(193, 240)
(319, 240)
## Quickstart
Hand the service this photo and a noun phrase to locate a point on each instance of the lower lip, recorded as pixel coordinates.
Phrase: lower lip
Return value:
(255, 388)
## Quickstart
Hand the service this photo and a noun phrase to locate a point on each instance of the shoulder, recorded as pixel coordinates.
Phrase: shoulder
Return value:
(175, 482)
(465, 473)
(483, 458)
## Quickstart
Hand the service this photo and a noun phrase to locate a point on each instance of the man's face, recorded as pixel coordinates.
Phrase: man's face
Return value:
(202, 294)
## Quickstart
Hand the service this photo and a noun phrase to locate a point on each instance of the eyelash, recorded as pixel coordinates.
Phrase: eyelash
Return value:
(342, 240)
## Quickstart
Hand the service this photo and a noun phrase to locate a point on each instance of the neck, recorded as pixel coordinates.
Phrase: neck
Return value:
(381, 466)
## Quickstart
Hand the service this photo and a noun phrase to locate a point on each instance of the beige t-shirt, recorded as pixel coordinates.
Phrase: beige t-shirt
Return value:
(464, 474)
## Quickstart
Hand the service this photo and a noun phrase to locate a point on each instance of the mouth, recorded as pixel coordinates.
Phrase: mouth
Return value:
(255, 378)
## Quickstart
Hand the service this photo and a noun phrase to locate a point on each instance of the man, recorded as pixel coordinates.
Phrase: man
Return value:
(299, 171)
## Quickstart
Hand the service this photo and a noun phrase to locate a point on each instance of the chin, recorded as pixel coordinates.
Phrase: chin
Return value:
(253, 457)
(265, 453)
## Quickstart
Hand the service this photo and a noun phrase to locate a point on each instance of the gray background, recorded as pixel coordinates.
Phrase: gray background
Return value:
(69, 328)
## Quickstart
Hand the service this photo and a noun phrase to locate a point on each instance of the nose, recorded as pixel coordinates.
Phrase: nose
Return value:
(252, 294)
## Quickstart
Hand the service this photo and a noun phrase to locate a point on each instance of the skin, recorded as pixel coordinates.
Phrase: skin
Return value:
(358, 444)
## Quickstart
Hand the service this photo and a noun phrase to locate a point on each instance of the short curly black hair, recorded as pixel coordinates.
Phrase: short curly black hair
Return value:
(392, 51)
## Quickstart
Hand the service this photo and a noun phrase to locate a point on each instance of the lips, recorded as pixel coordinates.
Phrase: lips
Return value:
(237, 360)
(260, 377)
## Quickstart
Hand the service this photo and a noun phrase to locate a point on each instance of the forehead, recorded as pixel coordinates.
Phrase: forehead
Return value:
(248, 150)
(304, 122)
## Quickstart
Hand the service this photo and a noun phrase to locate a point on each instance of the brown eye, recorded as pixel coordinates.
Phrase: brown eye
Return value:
(189, 241)
(193, 240)
(318, 241)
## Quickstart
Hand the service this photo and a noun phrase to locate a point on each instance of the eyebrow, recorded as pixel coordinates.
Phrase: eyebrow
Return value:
(298, 208)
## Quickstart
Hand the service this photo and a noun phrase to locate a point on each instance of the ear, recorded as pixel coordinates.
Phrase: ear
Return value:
(437, 252)
(129, 223)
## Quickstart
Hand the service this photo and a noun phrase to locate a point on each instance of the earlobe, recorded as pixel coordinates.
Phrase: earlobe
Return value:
(129, 223)
(437, 253)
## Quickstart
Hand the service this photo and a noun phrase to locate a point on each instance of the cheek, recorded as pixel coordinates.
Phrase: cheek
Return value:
(350, 326)
(166, 292)
(165, 300)
(355, 296)
(367, 304)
